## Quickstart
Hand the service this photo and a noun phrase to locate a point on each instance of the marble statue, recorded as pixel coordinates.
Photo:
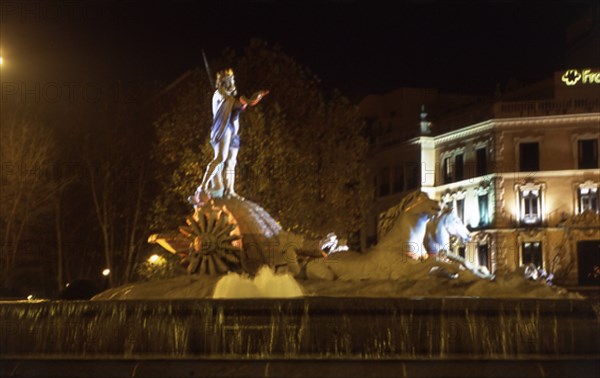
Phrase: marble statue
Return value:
(219, 176)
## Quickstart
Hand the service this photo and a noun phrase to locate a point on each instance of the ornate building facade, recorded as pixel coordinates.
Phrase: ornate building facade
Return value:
(522, 171)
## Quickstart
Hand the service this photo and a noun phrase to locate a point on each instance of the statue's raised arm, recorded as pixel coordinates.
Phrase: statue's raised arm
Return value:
(255, 99)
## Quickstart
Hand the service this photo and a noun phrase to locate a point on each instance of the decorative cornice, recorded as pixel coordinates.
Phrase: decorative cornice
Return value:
(515, 176)
(464, 132)
(546, 174)
(508, 123)
(547, 120)
(427, 142)
(465, 184)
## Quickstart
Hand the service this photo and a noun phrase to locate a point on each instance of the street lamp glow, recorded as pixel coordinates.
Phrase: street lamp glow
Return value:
(106, 272)
(0, 60)
(157, 260)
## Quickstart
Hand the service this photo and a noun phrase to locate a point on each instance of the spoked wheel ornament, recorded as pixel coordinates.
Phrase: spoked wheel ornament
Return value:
(215, 241)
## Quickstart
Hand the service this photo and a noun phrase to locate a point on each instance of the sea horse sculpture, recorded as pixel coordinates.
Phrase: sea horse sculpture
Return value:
(402, 229)
(437, 240)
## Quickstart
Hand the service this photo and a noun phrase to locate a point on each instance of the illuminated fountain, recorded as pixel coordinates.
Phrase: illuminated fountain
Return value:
(375, 308)
(229, 237)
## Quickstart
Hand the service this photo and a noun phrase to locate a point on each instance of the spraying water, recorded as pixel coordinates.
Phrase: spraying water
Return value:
(265, 284)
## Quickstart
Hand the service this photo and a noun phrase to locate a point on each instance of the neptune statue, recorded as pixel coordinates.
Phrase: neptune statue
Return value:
(219, 177)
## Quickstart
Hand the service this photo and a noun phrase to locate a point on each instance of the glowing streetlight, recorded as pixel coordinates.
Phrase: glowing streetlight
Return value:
(106, 272)
(157, 260)
(0, 60)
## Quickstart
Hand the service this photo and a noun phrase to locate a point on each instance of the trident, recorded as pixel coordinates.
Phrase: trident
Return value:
(207, 67)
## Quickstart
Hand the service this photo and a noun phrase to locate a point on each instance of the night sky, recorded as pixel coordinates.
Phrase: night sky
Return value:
(359, 47)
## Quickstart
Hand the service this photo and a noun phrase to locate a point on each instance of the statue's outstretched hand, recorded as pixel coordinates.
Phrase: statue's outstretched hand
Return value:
(255, 99)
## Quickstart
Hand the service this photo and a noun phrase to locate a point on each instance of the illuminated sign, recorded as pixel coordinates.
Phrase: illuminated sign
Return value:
(586, 76)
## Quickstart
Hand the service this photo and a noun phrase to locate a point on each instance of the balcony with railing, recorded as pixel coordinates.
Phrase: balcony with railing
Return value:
(545, 107)
(482, 112)
(395, 133)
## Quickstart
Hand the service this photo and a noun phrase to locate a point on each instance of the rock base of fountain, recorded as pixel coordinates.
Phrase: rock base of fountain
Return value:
(417, 283)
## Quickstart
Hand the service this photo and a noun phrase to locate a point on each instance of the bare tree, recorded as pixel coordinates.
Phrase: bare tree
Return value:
(27, 153)
(117, 176)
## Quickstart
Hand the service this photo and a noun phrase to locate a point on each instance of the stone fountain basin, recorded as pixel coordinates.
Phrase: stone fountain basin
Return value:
(303, 328)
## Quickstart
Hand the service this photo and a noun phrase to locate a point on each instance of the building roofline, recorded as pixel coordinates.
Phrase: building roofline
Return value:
(506, 123)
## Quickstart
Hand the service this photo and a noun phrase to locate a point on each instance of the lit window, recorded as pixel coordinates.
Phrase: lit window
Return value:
(588, 199)
(456, 201)
(530, 207)
(530, 203)
(483, 255)
(483, 210)
(531, 253)
(460, 209)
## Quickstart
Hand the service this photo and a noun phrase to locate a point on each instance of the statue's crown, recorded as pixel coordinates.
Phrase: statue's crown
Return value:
(222, 75)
